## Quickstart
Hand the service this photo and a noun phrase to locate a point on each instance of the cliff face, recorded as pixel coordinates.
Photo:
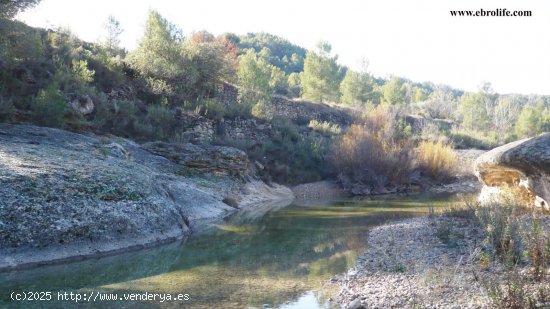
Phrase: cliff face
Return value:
(522, 166)
(64, 194)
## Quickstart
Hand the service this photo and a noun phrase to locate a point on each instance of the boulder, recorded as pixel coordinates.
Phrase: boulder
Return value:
(522, 166)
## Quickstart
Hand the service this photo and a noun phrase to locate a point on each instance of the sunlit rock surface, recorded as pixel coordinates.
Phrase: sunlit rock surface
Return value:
(65, 195)
(521, 168)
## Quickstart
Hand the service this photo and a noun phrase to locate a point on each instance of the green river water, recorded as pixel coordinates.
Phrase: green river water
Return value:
(277, 259)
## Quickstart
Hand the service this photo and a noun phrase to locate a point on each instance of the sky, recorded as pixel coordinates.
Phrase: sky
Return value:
(419, 40)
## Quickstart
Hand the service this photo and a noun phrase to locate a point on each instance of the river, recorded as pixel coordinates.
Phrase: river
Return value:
(276, 260)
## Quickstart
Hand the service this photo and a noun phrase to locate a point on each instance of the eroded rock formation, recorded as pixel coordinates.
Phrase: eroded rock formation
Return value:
(521, 167)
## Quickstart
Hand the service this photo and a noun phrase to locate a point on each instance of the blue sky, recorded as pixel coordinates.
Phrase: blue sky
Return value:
(414, 39)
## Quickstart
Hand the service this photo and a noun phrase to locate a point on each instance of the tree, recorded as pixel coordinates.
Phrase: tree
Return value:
(294, 84)
(112, 38)
(10, 8)
(279, 49)
(474, 113)
(254, 78)
(159, 54)
(210, 60)
(505, 115)
(529, 121)
(356, 88)
(420, 95)
(393, 91)
(320, 79)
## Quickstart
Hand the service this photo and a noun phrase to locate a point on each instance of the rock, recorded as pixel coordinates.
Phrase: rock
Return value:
(214, 159)
(82, 105)
(522, 166)
(65, 195)
(355, 304)
(231, 201)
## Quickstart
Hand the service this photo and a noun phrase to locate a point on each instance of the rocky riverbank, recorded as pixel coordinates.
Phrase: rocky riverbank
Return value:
(429, 262)
(65, 195)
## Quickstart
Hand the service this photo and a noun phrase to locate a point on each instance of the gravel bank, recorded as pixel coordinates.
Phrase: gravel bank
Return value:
(408, 266)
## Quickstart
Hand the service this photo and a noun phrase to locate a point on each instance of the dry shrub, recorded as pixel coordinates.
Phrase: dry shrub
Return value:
(366, 157)
(437, 159)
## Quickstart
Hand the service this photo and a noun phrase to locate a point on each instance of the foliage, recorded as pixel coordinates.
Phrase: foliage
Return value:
(158, 54)
(162, 120)
(81, 72)
(502, 228)
(474, 139)
(254, 79)
(294, 85)
(393, 91)
(356, 88)
(437, 159)
(113, 32)
(474, 112)
(321, 77)
(367, 157)
(505, 115)
(49, 107)
(20, 43)
(6, 109)
(10, 8)
(537, 244)
(529, 122)
(283, 54)
(325, 127)
(261, 110)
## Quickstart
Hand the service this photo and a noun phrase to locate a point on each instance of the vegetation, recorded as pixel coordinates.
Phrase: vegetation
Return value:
(437, 159)
(371, 153)
(321, 76)
(10, 8)
(325, 127)
(151, 93)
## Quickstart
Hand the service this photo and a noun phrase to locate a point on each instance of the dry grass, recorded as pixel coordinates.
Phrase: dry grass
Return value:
(437, 159)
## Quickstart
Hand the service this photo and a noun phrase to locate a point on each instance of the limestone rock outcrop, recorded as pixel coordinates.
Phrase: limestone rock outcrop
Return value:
(522, 166)
(66, 195)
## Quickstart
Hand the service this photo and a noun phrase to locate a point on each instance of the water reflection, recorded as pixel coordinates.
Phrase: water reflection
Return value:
(274, 259)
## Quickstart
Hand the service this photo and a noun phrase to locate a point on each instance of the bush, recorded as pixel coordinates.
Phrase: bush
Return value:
(49, 107)
(162, 120)
(437, 159)
(325, 127)
(6, 109)
(261, 111)
(537, 244)
(502, 227)
(474, 139)
(368, 158)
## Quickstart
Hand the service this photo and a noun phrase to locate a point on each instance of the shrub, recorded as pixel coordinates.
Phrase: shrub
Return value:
(214, 109)
(6, 109)
(502, 227)
(325, 127)
(369, 158)
(474, 139)
(437, 159)
(49, 107)
(537, 246)
(162, 121)
(261, 111)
